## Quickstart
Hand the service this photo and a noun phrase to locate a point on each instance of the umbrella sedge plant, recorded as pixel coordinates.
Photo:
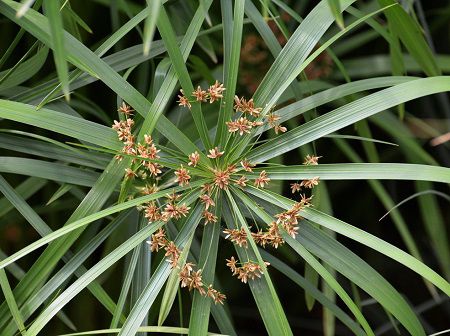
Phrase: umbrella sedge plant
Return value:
(193, 191)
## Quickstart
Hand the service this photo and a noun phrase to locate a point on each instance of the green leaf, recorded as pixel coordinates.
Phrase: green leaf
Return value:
(93, 217)
(329, 278)
(326, 96)
(178, 63)
(85, 59)
(47, 170)
(159, 277)
(348, 114)
(290, 62)
(51, 149)
(409, 32)
(51, 9)
(172, 286)
(359, 171)
(10, 300)
(335, 9)
(313, 262)
(231, 68)
(59, 122)
(77, 19)
(23, 70)
(125, 288)
(200, 311)
(359, 272)
(88, 277)
(74, 265)
(360, 236)
(26, 189)
(262, 289)
(150, 329)
(297, 69)
(150, 24)
(313, 291)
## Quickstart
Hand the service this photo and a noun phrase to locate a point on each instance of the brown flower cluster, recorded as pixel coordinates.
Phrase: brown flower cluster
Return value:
(193, 280)
(144, 153)
(248, 118)
(172, 210)
(310, 183)
(287, 220)
(248, 271)
(238, 237)
(159, 241)
(188, 277)
(212, 94)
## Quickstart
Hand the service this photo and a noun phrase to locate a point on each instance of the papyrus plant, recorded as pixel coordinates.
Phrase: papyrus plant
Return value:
(208, 186)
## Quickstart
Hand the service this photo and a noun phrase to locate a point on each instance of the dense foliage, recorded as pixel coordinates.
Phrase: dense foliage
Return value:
(222, 166)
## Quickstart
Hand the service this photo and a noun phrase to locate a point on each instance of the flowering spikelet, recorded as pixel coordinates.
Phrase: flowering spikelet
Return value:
(207, 201)
(200, 95)
(289, 221)
(158, 240)
(193, 159)
(231, 263)
(149, 189)
(272, 120)
(148, 139)
(248, 271)
(244, 106)
(151, 211)
(214, 294)
(172, 254)
(173, 197)
(279, 129)
(241, 125)
(238, 237)
(311, 160)
(304, 201)
(215, 92)
(209, 217)
(247, 165)
(242, 182)
(274, 235)
(153, 168)
(173, 210)
(215, 153)
(261, 238)
(295, 187)
(183, 100)
(125, 109)
(123, 128)
(311, 183)
(221, 179)
(207, 188)
(185, 274)
(262, 180)
(193, 280)
(183, 176)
